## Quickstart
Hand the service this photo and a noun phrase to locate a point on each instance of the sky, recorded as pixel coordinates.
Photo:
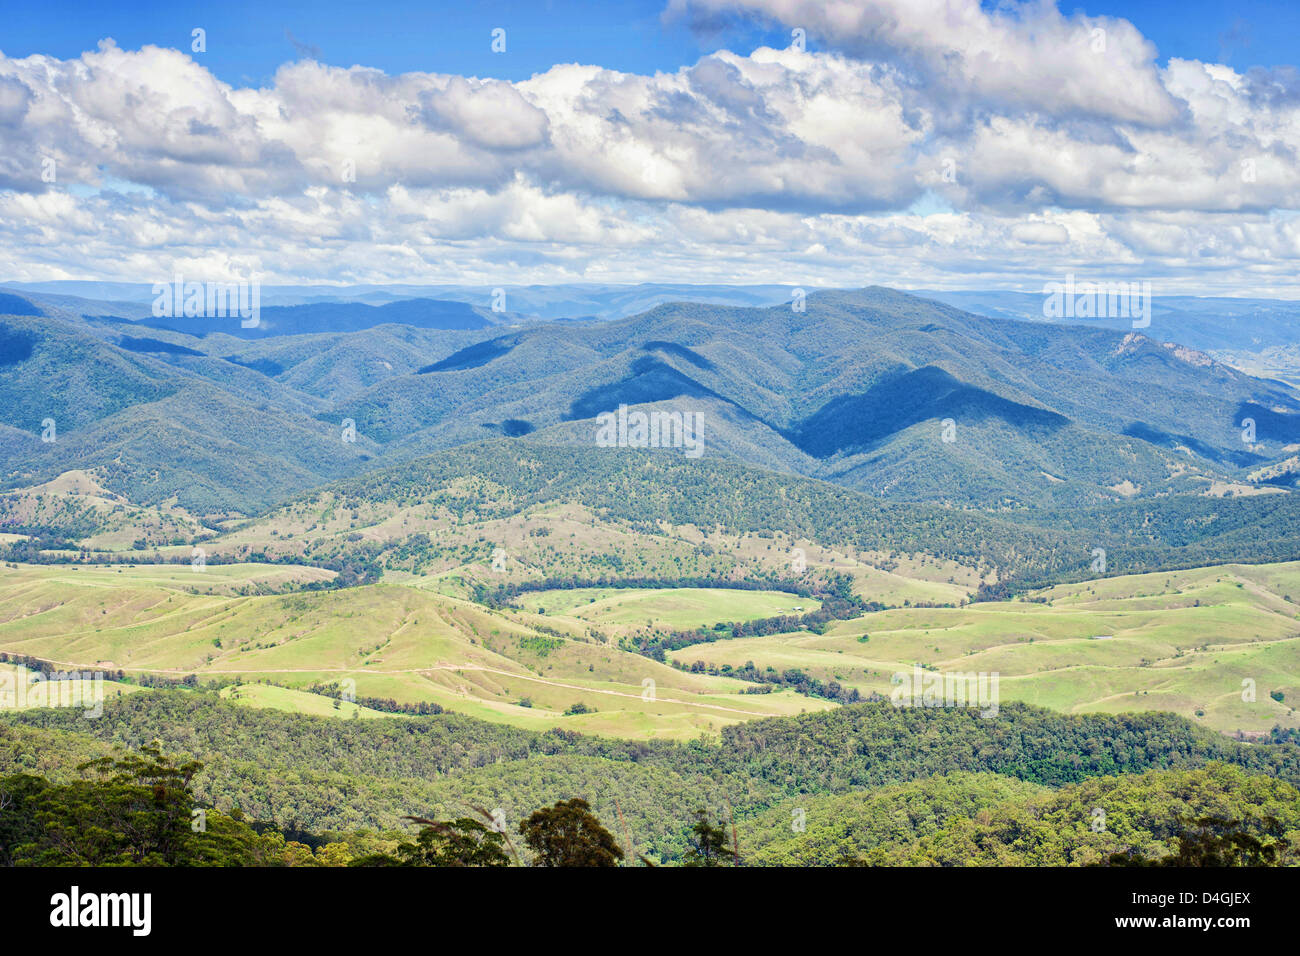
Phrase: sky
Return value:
(913, 143)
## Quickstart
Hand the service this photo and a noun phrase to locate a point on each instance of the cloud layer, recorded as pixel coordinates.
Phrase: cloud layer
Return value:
(909, 142)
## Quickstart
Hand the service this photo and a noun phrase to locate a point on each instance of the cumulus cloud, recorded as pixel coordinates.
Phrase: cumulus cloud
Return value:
(774, 129)
(492, 114)
(1029, 56)
(911, 142)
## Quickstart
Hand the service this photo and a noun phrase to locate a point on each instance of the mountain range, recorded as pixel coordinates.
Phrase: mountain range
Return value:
(874, 390)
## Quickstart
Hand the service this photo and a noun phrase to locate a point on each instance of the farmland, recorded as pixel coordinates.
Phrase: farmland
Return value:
(1219, 645)
(1200, 643)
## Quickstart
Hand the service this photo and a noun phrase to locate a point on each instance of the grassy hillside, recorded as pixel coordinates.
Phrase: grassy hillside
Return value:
(1181, 641)
(621, 514)
(1189, 642)
(77, 507)
(619, 610)
(404, 643)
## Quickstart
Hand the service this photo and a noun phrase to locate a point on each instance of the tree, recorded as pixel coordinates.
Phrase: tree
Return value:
(462, 842)
(569, 834)
(20, 797)
(138, 814)
(708, 844)
(1213, 841)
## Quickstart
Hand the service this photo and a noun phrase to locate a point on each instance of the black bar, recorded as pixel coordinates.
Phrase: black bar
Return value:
(362, 905)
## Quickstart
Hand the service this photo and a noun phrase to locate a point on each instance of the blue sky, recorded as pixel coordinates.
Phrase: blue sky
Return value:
(915, 143)
(1241, 34)
(249, 39)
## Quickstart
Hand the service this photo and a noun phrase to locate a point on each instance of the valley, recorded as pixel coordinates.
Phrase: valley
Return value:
(695, 433)
(1189, 642)
(374, 539)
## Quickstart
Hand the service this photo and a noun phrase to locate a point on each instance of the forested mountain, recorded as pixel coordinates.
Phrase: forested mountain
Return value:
(641, 489)
(335, 317)
(855, 389)
(872, 390)
(583, 301)
(1199, 322)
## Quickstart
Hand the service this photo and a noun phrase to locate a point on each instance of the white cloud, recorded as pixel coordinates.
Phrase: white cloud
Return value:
(1029, 57)
(492, 114)
(1041, 148)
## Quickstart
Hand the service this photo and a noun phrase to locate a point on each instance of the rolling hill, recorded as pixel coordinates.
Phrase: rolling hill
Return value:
(1218, 645)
